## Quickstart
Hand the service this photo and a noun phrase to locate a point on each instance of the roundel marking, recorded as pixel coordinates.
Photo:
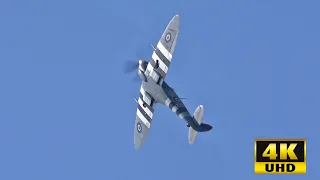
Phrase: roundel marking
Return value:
(139, 127)
(168, 36)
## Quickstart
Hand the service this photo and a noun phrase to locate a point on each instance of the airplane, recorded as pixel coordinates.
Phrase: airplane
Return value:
(154, 89)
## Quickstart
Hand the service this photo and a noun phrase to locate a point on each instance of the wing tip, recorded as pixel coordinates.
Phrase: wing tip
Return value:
(175, 22)
(176, 18)
(137, 147)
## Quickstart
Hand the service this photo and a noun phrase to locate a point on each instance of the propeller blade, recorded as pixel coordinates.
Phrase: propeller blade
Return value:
(130, 66)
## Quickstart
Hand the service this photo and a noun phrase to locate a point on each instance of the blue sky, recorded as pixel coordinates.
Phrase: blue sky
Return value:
(67, 110)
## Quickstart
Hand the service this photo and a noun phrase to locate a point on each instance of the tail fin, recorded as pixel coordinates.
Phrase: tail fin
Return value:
(198, 116)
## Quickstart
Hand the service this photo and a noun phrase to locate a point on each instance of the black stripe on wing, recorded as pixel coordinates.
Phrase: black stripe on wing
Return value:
(144, 113)
(162, 57)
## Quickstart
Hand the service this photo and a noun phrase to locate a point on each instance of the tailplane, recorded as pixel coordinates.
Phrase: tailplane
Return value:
(198, 116)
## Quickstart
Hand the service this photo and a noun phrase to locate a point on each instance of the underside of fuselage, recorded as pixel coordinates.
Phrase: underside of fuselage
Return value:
(160, 92)
(165, 95)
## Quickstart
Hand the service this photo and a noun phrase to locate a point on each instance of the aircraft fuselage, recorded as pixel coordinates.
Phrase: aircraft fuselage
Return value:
(165, 95)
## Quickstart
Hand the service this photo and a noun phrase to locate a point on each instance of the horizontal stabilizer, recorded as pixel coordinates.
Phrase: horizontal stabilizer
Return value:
(198, 116)
(205, 127)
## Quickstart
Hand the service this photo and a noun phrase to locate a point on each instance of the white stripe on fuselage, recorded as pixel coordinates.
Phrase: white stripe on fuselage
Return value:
(174, 109)
(168, 101)
(143, 119)
(164, 51)
(182, 115)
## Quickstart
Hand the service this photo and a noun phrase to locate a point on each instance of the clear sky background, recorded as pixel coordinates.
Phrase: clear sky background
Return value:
(67, 109)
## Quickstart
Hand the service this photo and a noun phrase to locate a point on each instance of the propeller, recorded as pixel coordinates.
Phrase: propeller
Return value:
(132, 66)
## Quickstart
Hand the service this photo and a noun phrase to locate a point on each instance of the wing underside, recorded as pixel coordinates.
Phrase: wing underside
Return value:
(157, 69)
(162, 55)
(144, 117)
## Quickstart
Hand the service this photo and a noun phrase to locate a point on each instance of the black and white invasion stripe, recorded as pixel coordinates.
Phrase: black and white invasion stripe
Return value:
(163, 57)
(145, 108)
(178, 108)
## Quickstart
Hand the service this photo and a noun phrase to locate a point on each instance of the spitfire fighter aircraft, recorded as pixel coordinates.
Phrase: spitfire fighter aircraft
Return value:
(155, 90)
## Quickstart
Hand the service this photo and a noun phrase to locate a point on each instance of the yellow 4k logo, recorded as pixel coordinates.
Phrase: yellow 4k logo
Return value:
(280, 156)
(271, 152)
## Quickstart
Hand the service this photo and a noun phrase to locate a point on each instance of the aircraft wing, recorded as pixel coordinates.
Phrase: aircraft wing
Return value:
(162, 54)
(144, 116)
